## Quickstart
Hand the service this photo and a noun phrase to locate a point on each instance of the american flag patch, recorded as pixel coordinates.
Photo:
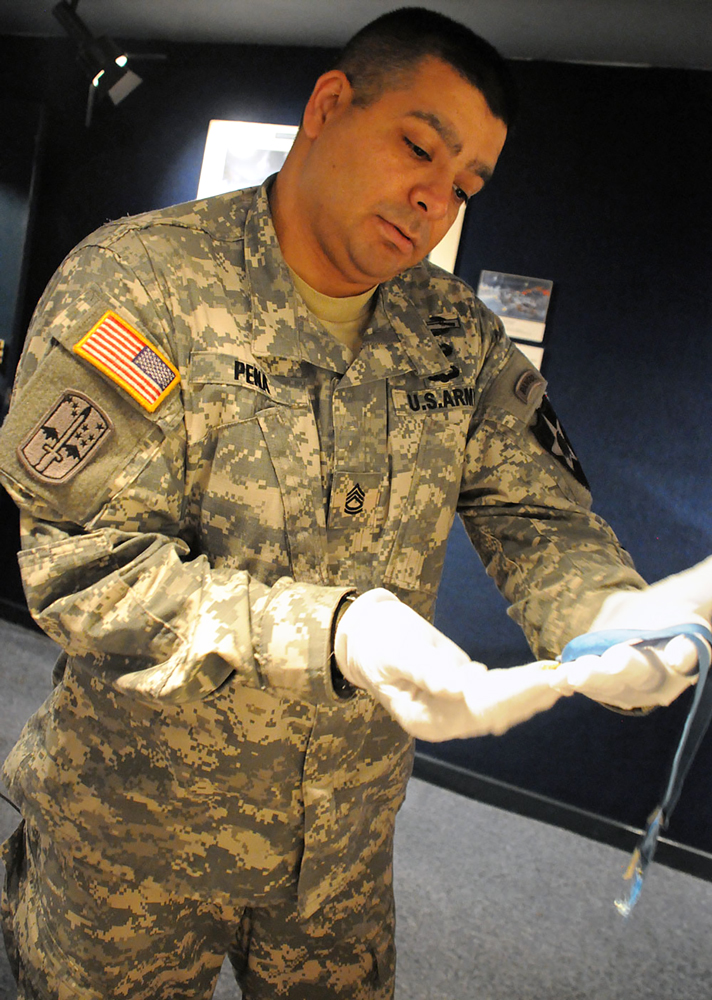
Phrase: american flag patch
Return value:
(122, 353)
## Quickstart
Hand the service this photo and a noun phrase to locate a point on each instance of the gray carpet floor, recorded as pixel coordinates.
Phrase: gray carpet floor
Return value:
(491, 906)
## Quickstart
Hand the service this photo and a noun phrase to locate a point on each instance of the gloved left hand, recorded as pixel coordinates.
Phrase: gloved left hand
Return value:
(628, 676)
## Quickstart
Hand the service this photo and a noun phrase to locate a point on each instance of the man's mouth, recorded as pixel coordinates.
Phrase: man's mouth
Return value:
(400, 237)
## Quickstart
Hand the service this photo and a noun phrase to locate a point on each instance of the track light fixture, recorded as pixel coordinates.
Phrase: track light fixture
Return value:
(101, 58)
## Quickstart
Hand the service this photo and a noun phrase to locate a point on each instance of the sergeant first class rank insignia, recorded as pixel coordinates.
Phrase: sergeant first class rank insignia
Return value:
(127, 358)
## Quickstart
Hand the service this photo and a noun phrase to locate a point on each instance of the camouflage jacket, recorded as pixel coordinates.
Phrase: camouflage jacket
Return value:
(196, 504)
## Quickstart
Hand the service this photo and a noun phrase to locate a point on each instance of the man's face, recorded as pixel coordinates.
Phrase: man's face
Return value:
(381, 185)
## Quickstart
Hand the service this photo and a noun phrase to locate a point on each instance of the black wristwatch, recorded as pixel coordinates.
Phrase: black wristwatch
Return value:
(342, 687)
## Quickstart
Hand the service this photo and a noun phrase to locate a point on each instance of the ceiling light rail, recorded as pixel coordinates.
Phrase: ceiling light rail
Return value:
(105, 62)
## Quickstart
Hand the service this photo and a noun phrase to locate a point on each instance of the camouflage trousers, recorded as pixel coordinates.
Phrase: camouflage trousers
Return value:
(75, 932)
(154, 843)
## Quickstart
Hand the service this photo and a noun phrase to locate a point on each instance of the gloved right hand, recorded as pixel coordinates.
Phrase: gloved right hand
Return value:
(380, 642)
(426, 682)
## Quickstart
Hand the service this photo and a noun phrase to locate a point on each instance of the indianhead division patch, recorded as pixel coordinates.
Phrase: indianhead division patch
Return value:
(126, 357)
(66, 439)
(552, 437)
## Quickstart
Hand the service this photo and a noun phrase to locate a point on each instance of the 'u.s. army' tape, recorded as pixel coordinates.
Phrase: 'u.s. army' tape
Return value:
(698, 719)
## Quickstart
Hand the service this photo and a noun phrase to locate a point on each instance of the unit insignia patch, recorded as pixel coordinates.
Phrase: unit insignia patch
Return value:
(65, 439)
(551, 436)
(527, 384)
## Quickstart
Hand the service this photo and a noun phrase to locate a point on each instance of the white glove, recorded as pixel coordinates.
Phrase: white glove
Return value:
(489, 703)
(380, 641)
(426, 682)
(630, 677)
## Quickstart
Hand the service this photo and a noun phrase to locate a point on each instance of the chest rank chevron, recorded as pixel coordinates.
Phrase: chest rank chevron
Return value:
(354, 500)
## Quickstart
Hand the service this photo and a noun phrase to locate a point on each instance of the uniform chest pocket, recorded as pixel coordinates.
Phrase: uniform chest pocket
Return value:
(224, 388)
(262, 507)
(427, 452)
(242, 520)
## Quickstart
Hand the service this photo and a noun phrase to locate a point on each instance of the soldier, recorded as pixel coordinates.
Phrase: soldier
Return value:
(240, 432)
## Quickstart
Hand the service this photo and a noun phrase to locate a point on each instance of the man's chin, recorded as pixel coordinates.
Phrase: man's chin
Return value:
(379, 267)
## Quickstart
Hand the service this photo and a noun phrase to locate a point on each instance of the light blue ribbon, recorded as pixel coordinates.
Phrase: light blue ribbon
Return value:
(698, 719)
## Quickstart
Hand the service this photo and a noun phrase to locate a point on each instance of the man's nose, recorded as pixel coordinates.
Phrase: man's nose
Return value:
(433, 198)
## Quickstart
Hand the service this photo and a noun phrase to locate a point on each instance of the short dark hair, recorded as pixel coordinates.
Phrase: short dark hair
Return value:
(384, 54)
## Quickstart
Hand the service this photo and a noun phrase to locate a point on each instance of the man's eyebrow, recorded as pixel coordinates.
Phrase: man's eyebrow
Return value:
(483, 172)
(446, 132)
(451, 139)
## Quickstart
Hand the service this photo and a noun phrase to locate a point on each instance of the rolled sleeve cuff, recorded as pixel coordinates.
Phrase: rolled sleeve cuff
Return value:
(293, 641)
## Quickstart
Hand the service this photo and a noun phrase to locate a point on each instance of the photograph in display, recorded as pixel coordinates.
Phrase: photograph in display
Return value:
(521, 303)
(242, 155)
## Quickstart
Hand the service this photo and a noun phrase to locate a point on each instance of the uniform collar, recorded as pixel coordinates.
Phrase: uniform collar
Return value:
(396, 342)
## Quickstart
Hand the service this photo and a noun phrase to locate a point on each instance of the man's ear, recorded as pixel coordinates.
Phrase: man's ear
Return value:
(332, 94)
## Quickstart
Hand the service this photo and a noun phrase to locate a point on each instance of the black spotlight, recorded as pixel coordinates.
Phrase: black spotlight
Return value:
(101, 58)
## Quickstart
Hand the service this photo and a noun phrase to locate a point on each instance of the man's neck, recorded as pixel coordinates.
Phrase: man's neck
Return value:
(305, 260)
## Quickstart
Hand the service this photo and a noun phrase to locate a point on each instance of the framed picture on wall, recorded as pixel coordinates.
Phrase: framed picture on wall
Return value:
(242, 154)
(522, 304)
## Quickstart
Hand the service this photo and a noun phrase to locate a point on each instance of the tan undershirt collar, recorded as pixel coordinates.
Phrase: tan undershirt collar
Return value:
(345, 318)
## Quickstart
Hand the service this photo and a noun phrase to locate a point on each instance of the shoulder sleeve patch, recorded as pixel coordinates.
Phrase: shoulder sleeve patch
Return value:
(552, 437)
(66, 438)
(528, 383)
(127, 358)
(517, 388)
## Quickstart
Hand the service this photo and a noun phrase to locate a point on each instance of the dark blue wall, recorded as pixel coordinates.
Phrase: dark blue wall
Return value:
(20, 131)
(604, 188)
(20, 148)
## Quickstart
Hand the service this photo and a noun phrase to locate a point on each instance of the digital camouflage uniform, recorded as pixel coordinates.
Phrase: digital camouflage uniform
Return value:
(194, 785)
